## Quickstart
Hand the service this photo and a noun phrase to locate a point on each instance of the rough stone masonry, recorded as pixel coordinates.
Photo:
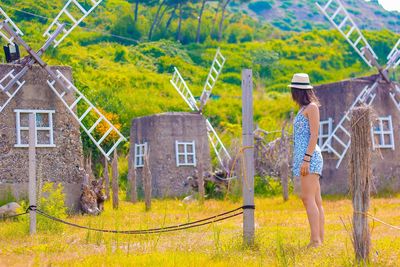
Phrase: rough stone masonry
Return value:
(62, 163)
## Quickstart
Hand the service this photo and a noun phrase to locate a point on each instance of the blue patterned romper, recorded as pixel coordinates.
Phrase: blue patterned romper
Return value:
(301, 129)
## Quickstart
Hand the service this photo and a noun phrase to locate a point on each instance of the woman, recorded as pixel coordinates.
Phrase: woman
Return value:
(307, 158)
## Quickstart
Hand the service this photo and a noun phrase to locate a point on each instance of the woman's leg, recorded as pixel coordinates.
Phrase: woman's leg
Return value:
(308, 191)
(318, 200)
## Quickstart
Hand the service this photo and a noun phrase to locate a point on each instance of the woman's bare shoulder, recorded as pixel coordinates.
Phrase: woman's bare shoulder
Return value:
(311, 108)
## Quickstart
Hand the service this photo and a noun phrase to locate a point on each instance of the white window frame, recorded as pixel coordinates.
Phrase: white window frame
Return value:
(140, 152)
(322, 137)
(185, 153)
(380, 133)
(20, 128)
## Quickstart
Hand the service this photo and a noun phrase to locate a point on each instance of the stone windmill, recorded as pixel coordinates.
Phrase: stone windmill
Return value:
(378, 89)
(31, 86)
(339, 140)
(182, 88)
(72, 13)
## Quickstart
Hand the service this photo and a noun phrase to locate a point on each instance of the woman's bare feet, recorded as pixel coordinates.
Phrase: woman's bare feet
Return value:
(314, 244)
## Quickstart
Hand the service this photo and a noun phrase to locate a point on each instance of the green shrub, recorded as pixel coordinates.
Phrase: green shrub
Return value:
(51, 202)
(268, 186)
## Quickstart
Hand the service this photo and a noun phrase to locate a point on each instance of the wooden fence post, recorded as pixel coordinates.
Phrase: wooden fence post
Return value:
(284, 171)
(115, 199)
(248, 146)
(360, 179)
(132, 180)
(32, 172)
(147, 181)
(106, 178)
(200, 183)
(284, 162)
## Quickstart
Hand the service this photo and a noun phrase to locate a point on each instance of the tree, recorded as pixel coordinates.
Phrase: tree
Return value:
(161, 4)
(224, 4)
(180, 3)
(203, 4)
(136, 6)
(221, 22)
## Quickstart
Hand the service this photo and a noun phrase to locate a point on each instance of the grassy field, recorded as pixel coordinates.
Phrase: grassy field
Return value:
(281, 236)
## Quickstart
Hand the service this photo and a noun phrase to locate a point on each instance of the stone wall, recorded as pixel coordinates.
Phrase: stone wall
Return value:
(335, 99)
(160, 132)
(63, 163)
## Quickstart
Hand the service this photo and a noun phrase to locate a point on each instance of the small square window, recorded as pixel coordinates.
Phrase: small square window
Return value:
(382, 133)
(44, 132)
(185, 153)
(325, 130)
(140, 152)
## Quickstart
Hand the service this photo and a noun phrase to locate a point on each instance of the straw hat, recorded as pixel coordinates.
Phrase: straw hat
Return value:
(300, 81)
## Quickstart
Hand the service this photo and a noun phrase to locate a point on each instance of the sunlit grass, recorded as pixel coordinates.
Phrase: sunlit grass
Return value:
(281, 236)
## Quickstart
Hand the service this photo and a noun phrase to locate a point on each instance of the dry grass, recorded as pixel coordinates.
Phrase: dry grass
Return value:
(281, 236)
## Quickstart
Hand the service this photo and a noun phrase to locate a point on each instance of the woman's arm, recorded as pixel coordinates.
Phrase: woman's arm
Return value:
(313, 119)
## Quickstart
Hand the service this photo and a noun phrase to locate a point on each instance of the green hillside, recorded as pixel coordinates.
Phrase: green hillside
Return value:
(303, 15)
(131, 78)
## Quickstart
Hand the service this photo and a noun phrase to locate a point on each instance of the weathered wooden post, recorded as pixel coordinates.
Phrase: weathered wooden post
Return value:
(248, 146)
(200, 180)
(360, 179)
(32, 172)
(284, 162)
(106, 178)
(147, 181)
(284, 171)
(132, 180)
(115, 199)
(202, 191)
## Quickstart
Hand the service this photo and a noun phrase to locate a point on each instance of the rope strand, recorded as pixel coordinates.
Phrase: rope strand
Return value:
(201, 222)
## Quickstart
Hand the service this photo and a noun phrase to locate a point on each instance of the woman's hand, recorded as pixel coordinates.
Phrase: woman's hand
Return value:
(305, 168)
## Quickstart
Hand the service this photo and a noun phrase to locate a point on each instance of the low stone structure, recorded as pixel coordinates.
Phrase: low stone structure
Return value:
(335, 99)
(177, 146)
(59, 150)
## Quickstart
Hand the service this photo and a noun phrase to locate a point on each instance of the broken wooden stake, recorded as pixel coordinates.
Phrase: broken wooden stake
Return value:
(147, 181)
(115, 199)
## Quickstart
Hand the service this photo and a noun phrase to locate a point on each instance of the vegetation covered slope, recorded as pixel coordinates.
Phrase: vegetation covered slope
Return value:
(131, 79)
(300, 15)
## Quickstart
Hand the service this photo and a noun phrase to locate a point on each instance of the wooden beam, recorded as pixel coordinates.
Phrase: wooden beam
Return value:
(32, 172)
(248, 146)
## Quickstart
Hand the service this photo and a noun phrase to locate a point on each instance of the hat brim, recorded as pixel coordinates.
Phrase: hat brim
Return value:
(305, 87)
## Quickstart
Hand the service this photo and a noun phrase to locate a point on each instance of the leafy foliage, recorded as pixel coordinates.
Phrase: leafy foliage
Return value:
(51, 202)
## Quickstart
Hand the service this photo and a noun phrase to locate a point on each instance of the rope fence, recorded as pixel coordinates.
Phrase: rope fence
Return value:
(209, 220)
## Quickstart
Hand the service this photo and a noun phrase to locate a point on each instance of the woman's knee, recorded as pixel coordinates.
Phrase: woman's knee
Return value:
(307, 200)
(318, 201)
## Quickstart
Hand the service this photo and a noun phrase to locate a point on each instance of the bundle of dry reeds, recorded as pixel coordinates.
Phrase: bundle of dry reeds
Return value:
(360, 178)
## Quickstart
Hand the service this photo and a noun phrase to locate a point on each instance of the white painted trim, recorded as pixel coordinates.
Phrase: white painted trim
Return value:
(139, 153)
(27, 146)
(34, 111)
(20, 128)
(185, 153)
(322, 137)
(381, 133)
